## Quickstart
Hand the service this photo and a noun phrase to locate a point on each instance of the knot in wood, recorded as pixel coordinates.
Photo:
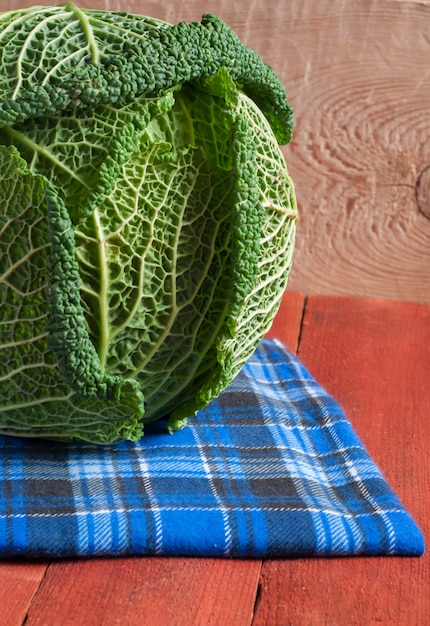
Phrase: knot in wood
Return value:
(422, 192)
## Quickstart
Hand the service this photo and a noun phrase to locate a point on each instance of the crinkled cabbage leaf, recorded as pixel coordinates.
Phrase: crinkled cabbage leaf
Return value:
(147, 218)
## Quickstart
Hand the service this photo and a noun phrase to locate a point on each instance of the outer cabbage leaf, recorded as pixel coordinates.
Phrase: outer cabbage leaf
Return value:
(155, 256)
(267, 192)
(34, 399)
(187, 259)
(82, 155)
(111, 58)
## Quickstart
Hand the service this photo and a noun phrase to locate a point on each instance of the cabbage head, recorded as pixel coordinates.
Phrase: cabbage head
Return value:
(147, 218)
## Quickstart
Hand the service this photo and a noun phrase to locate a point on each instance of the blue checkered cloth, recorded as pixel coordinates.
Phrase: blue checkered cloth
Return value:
(271, 469)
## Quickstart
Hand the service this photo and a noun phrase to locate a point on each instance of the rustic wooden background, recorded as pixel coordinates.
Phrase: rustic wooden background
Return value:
(358, 75)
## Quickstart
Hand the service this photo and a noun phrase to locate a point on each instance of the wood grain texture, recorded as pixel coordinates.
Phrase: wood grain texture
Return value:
(19, 581)
(373, 356)
(357, 74)
(422, 191)
(149, 591)
(361, 96)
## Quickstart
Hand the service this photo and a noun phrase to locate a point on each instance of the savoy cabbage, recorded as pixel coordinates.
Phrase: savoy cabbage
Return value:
(147, 218)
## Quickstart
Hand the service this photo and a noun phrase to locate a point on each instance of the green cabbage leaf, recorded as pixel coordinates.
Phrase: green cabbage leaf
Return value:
(147, 218)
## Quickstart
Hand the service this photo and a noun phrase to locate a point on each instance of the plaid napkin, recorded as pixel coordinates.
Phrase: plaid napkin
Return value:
(270, 469)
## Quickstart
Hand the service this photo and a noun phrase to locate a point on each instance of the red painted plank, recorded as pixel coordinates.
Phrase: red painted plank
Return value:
(158, 591)
(287, 323)
(19, 582)
(151, 591)
(374, 357)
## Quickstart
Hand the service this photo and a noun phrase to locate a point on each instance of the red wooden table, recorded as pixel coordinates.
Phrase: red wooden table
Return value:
(374, 357)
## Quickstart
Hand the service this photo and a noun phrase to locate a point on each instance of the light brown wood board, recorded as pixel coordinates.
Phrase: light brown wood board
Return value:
(357, 73)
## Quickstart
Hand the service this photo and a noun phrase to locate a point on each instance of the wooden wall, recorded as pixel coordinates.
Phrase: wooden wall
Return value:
(358, 75)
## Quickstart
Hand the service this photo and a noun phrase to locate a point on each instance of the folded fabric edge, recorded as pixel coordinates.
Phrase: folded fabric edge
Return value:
(404, 534)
